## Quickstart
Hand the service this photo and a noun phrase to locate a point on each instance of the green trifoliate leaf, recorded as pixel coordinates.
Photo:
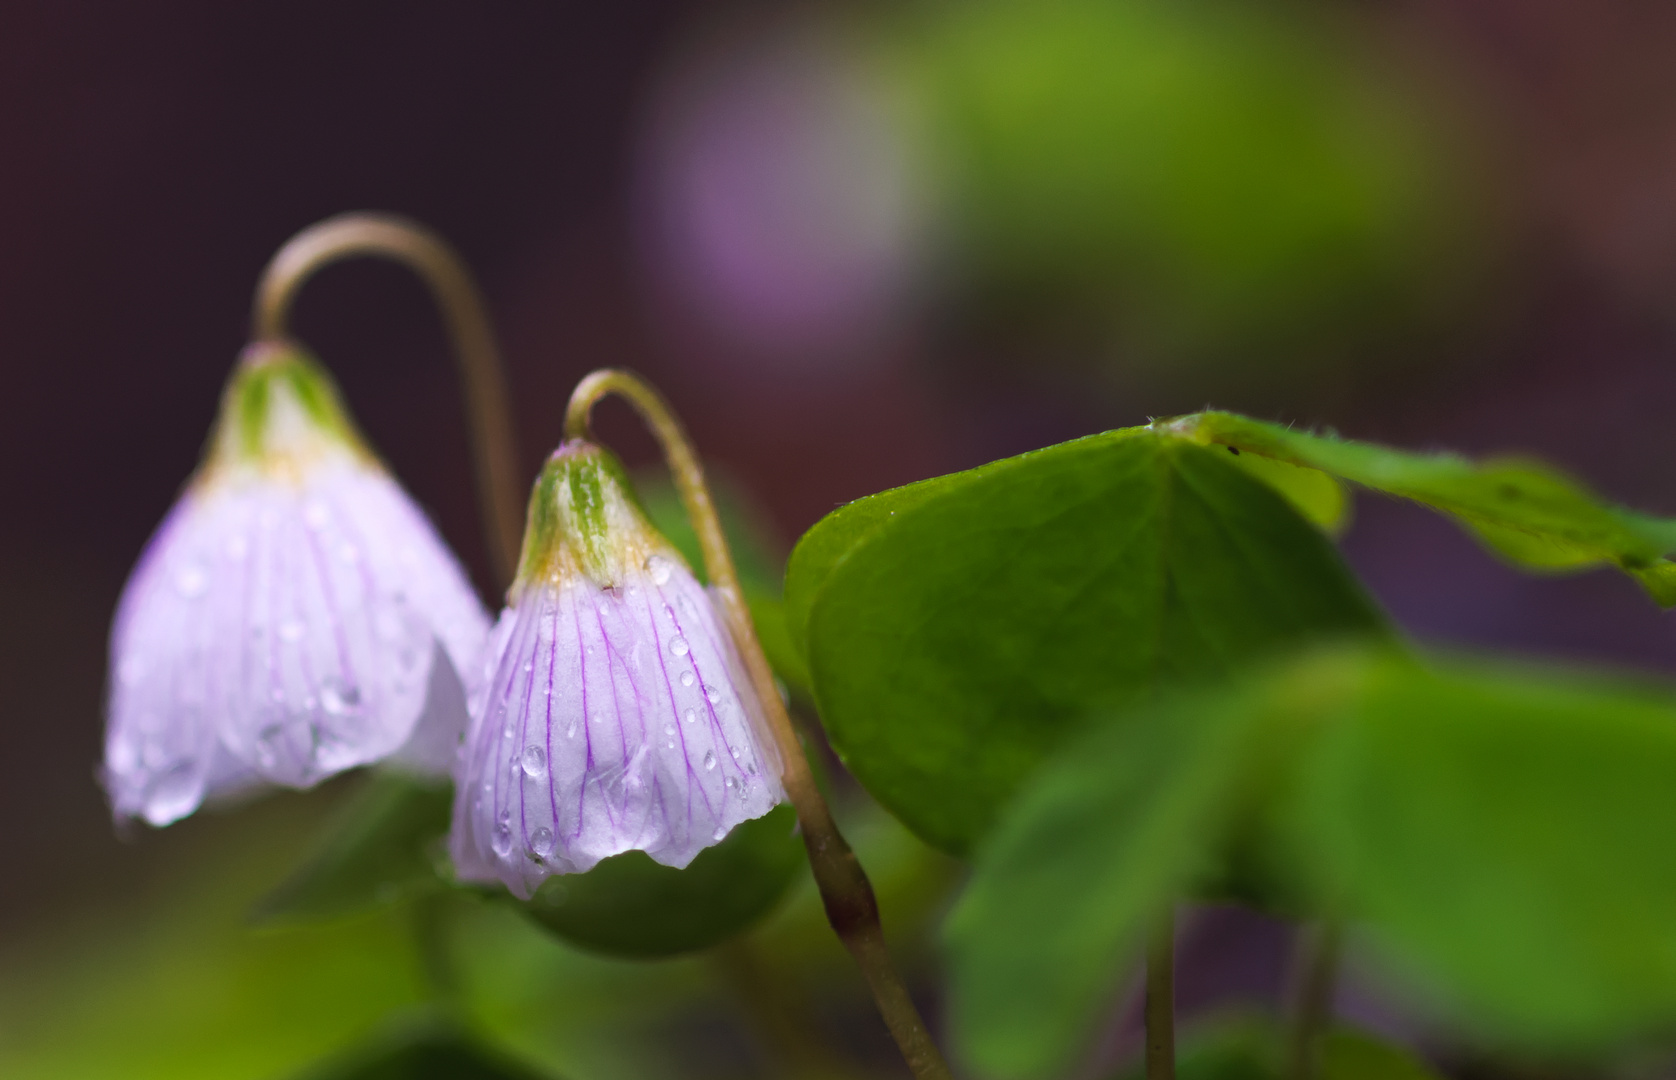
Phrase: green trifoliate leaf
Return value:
(383, 847)
(629, 905)
(1525, 511)
(956, 630)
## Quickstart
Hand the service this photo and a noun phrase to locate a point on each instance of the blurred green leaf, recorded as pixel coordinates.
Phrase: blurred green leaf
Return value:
(428, 1054)
(629, 905)
(1504, 836)
(1496, 838)
(1251, 1048)
(379, 849)
(1106, 837)
(768, 614)
(1525, 511)
(959, 628)
(1212, 179)
(1355, 1055)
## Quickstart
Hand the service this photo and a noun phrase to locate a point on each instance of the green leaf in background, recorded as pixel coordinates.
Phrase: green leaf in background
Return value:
(1527, 512)
(1495, 838)
(959, 628)
(1108, 834)
(1095, 849)
(379, 849)
(1217, 182)
(1503, 836)
(429, 1053)
(629, 905)
(1252, 1048)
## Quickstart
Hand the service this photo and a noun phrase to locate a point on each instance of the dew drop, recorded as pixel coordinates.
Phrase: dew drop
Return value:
(671, 744)
(192, 582)
(541, 842)
(730, 783)
(669, 730)
(570, 733)
(678, 646)
(534, 761)
(709, 760)
(690, 715)
(291, 630)
(338, 700)
(712, 695)
(720, 832)
(659, 568)
(686, 678)
(502, 840)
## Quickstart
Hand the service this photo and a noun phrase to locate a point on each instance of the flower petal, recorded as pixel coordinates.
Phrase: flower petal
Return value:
(616, 719)
(286, 623)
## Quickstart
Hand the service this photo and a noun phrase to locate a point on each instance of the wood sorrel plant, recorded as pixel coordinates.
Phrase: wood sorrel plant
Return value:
(1116, 675)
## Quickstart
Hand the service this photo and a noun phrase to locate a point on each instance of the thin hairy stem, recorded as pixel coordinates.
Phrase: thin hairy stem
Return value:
(1315, 976)
(847, 894)
(444, 272)
(1161, 1001)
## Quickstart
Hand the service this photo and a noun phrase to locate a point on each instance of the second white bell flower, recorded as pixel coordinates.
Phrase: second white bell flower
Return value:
(291, 617)
(614, 713)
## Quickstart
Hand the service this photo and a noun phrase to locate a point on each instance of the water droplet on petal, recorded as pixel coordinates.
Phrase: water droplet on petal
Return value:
(712, 695)
(571, 732)
(720, 832)
(339, 700)
(502, 839)
(534, 762)
(690, 715)
(730, 783)
(678, 646)
(192, 582)
(659, 567)
(709, 760)
(541, 842)
(686, 678)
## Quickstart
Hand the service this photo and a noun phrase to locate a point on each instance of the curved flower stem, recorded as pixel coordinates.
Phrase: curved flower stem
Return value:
(1160, 1009)
(440, 266)
(847, 894)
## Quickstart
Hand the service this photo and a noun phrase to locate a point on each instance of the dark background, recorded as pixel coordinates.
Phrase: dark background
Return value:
(155, 155)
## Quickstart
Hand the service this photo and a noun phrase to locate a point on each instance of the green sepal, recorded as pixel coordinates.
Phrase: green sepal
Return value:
(630, 906)
(584, 516)
(278, 402)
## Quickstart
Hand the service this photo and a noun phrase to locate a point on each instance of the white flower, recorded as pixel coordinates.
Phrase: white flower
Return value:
(290, 617)
(614, 713)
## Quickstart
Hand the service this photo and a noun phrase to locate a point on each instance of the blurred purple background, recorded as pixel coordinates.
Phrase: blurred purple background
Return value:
(731, 202)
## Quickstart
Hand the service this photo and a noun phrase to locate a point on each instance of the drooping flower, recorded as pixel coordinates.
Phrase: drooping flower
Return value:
(613, 713)
(292, 615)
